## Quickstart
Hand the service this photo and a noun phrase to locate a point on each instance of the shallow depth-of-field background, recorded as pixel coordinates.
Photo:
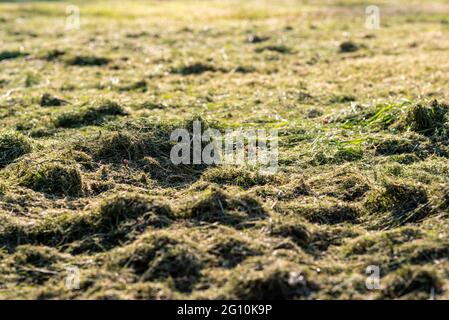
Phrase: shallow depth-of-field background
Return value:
(85, 175)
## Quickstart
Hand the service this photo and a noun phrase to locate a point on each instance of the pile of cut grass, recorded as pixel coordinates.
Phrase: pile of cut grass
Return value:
(52, 178)
(12, 146)
(91, 115)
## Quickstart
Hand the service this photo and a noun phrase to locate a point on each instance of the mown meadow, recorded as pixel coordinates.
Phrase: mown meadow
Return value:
(86, 178)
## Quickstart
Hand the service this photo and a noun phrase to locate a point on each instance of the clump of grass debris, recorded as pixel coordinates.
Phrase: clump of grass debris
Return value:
(342, 99)
(238, 176)
(405, 202)
(117, 146)
(92, 115)
(12, 146)
(125, 206)
(140, 86)
(3, 188)
(231, 248)
(161, 256)
(6, 55)
(35, 264)
(348, 46)
(31, 80)
(48, 100)
(254, 38)
(412, 283)
(341, 153)
(259, 279)
(87, 61)
(409, 142)
(427, 119)
(423, 117)
(193, 69)
(293, 228)
(351, 186)
(218, 206)
(118, 218)
(130, 145)
(275, 48)
(146, 142)
(52, 178)
(36, 256)
(345, 184)
(381, 243)
(54, 54)
(330, 212)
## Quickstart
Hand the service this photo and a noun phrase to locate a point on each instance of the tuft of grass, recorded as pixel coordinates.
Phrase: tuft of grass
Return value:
(36, 256)
(87, 61)
(330, 212)
(348, 46)
(7, 55)
(12, 146)
(161, 256)
(343, 152)
(52, 178)
(117, 146)
(256, 38)
(260, 279)
(117, 218)
(348, 186)
(412, 283)
(348, 153)
(232, 250)
(387, 114)
(32, 80)
(244, 69)
(342, 99)
(313, 113)
(48, 100)
(140, 86)
(129, 145)
(54, 54)
(275, 48)
(293, 228)
(35, 264)
(381, 243)
(193, 69)
(405, 202)
(427, 119)
(238, 176)
(92, 115)
(145, 146)
(3, 188)
(407, 143)
(115, 209)
(217, 206)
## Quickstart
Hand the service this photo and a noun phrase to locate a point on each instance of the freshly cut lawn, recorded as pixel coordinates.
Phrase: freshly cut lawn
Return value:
(86, 179)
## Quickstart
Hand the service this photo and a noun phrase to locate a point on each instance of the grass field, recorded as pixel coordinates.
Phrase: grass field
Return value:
(86, 179)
